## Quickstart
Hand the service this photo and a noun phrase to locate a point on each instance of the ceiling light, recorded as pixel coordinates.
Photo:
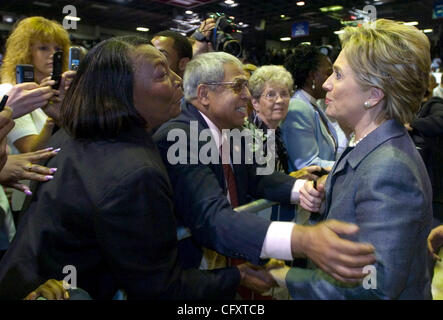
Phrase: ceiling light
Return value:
(42, 4)
(142, 29)
(413, 23)
(300, 3)
(282, 16)
(229, 2)
(231, 17)
(189, 12)
(72, 18)
(99, 6)
(339, 32)
(307, 43)
(331, 8)
(285, 39)
(8, 19)
(428, 30)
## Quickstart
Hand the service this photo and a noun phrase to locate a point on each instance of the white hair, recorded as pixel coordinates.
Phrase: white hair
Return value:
(206, 68)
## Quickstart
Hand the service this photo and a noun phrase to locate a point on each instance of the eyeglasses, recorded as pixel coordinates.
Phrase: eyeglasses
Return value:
(272, 95)
(237, 86)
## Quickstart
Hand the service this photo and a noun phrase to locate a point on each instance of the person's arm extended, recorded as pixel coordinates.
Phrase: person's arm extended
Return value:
(35, 142)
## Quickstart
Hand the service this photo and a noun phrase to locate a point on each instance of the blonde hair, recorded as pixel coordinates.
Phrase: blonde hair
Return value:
(393, 57)
(26, 33)
(249, 68)
(275, 74)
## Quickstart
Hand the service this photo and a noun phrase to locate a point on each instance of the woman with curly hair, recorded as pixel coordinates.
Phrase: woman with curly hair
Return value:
(34, 41)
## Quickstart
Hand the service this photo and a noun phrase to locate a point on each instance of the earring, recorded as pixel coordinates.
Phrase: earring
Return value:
(367, 105)
(313, 85)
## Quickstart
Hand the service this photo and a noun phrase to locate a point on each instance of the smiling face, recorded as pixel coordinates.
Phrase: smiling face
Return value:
(272, 106)
(345, 97)
(225, 107)
(157, 89)
(42, 54)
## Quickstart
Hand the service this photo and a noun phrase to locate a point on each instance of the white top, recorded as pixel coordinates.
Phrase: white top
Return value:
(438, 91)
(29, 124)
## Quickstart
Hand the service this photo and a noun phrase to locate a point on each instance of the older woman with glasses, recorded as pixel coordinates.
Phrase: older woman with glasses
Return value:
(379, 182)
(270, 88)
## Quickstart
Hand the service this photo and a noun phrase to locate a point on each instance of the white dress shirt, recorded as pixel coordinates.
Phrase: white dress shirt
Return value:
(277, 243)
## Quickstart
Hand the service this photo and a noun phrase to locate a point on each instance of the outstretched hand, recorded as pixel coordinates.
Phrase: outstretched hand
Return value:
(435, 241)
(342, 259)
(23, 167)
(52, 108)
(310, 197)
(25, 97)
(50, 290)
(256, 278)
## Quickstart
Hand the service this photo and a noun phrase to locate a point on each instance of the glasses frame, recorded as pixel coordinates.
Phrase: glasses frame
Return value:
(275, 98)
(244, 84)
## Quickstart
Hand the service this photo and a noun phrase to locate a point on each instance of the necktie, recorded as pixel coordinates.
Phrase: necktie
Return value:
(229, 177)
(245, 293)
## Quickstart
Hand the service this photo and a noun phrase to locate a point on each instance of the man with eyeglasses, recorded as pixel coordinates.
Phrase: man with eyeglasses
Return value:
(216, 96)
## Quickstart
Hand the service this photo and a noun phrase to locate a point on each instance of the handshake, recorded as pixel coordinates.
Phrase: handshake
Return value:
(312, 191)
(259, 278)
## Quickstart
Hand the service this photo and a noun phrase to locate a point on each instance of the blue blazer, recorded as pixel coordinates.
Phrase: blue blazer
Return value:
(305, 136)
(201, 204)
(382, 186)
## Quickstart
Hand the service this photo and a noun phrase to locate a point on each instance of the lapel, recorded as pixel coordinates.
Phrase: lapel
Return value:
(352, 156)
(191, 113)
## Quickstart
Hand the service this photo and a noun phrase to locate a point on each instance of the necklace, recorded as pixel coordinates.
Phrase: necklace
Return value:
(353, 142)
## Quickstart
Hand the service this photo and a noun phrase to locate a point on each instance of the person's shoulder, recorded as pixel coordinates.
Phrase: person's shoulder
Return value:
(299, 105)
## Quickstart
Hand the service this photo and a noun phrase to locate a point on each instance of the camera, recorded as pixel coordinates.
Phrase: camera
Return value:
(24, 73)
(75, 55)
(224, 37)
(57, 64)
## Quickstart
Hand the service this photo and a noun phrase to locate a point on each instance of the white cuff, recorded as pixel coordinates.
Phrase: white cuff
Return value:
(295, 193)
(277, 242)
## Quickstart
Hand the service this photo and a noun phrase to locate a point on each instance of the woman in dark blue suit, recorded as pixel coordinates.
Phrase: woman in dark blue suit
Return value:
(379, 182)
(107, 214)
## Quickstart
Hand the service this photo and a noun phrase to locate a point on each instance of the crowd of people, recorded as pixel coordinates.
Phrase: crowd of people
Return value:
(117, 155)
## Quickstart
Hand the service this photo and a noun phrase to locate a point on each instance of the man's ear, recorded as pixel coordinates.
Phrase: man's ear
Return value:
(182, 64)
(203, 94)
(376, 96)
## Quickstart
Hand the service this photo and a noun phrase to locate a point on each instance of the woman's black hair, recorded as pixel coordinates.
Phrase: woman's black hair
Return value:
(303, 60)
(99, 103)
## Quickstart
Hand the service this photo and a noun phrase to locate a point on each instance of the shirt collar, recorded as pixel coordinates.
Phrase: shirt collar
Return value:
(216, 133)
(310, 98)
